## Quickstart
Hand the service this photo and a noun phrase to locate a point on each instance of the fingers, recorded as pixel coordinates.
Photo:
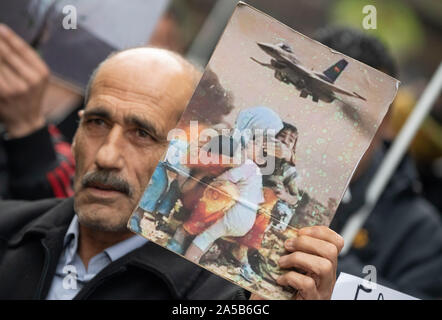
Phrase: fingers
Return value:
(4, 87)
(323, 233)
(323, 268)
(21, 69)
(18, 58)
(254, 296)
(23, 80)
(313, 246)
(305, 285)
(315, 251)
(9, 58)
(11, 83)
(18, 46)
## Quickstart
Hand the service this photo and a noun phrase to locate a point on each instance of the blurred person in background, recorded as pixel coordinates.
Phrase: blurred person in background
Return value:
(402, 237)
(426, 147)
(39, 113)
(35, 160)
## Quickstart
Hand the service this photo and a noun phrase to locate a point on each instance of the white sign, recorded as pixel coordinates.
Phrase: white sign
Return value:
(350, 287)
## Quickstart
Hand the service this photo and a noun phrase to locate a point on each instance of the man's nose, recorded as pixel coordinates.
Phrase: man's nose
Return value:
(110, 154)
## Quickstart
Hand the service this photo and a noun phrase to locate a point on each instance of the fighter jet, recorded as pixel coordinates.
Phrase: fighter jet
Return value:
(289, 69)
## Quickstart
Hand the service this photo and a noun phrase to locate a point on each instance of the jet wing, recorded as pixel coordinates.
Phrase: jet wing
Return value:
(314, 78)
(296, 67)
(332, 87)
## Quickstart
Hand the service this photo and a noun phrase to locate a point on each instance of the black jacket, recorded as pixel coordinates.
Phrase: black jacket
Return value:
(31, 238)
(402, 237)
(37, 166)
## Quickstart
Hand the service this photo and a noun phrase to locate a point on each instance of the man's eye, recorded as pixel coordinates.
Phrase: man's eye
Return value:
(96, 125)
(96, 121)
(143, 133)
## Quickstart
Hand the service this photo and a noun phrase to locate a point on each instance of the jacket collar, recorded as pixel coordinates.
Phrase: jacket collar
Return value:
(55, 220)
(178, 273)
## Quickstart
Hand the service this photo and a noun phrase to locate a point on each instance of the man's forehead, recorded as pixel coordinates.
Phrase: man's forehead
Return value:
(146, 54)
(149, 71)
(139, 116)
(144, 101)
(143, 61)
(153, 83)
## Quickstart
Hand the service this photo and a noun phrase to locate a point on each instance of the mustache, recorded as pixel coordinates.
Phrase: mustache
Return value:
(107, 179)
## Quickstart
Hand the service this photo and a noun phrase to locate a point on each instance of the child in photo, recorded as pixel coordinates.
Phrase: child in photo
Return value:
(281, 195)
(210, 220)
(163, 189)
(282, 181)
(228, 208)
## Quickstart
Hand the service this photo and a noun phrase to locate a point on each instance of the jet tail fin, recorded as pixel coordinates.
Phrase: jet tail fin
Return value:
(335, 70)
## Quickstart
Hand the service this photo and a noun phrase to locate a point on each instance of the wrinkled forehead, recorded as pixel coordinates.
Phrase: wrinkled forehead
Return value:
(154, 83)
(146, 71)
(144, 64)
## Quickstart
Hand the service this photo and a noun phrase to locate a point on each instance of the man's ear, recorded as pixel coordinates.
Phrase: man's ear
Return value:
(73, 146)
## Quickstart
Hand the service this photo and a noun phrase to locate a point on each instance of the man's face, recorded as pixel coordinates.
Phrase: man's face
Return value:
(133, 104)
(288, 137)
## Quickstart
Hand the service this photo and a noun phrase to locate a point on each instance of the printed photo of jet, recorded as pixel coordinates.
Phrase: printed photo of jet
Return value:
(288, 69)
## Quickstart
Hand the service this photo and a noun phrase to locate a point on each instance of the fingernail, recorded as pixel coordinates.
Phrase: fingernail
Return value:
(290, 244)
(282, 261)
